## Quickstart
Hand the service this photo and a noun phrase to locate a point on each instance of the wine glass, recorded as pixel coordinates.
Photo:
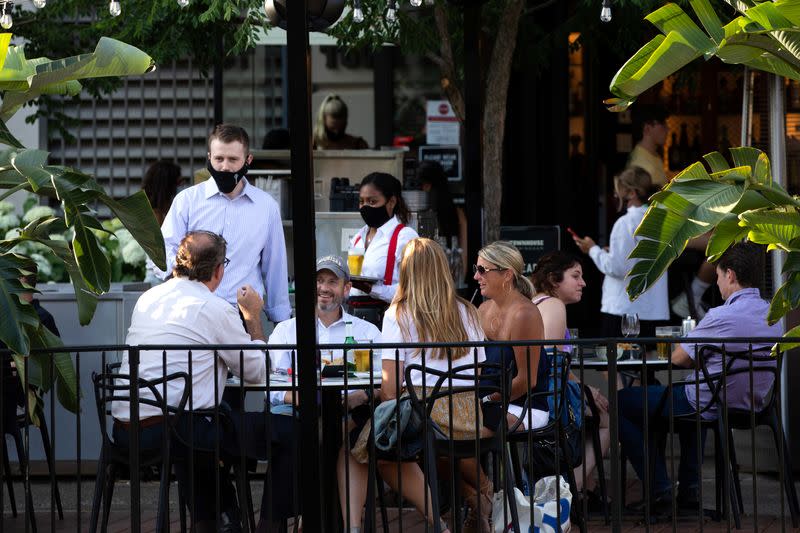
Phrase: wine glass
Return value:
(630, 325)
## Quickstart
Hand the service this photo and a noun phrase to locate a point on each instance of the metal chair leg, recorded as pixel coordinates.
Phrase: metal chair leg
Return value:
(108, 492)
(509, 492)
(50, 461)
(23, 462)
(737, 484)
(99, 485)
(601, 470)
(9, 483)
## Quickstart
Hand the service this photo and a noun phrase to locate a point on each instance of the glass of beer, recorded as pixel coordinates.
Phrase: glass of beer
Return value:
(355, 258)
(362, 355)
(665, 348)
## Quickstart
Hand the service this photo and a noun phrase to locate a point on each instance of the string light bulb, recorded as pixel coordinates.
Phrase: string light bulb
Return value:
(183, 3)
(40, 3)
(605, 12)
(358, 15)
(391, 13)
(114, 8)
(416, 3)
(5, 19)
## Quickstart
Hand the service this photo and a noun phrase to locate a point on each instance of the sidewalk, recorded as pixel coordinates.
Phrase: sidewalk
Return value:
(769, 508)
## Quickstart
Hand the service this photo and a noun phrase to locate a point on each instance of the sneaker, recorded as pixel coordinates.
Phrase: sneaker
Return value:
(688, 498)
(680, 306)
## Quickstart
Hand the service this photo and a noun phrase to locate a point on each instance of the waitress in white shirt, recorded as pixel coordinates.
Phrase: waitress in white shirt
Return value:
(382, 240)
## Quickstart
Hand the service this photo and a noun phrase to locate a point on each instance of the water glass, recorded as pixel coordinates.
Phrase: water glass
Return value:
(630, 325)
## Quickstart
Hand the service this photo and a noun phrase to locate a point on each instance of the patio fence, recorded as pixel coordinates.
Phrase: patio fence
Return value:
(506, 453)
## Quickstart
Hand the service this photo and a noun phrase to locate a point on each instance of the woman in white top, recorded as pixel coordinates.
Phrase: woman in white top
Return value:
(426, 308)
(631, 188)
(381, 241)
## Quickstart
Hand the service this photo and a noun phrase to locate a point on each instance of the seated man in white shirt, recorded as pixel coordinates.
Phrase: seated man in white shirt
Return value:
(185, 310)
(333, 284)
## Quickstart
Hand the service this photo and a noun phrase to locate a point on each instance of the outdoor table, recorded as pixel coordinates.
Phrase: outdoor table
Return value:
(331, 414)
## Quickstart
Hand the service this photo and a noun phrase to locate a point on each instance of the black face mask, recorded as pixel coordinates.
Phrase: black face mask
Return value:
(226, 181)
(375, 217)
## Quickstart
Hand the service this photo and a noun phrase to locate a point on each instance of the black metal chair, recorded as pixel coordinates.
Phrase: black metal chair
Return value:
(110, 387)
(242, 479)
(13, 425)
(553, 434)
(438, 442)
(727, 419)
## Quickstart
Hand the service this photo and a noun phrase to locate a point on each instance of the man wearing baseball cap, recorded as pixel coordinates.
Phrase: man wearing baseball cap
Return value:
(333, 286)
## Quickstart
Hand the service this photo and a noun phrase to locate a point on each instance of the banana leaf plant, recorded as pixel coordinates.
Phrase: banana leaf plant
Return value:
(764, 36)
(733, 203)
(21, 169)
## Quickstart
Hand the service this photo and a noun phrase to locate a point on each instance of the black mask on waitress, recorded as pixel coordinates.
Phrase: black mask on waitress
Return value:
(375, 217)
(226, 181)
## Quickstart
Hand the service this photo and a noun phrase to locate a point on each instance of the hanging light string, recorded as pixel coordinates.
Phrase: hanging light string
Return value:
(605, 11)
(389, 16)
(5, 15)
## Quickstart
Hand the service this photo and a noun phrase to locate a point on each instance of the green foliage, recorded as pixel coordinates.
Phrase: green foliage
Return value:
(44, 230)
(732, 203)
(763, 36)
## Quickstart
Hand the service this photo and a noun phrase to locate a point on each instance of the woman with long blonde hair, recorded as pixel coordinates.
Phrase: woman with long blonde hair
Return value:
(329, 130)
(425, 309)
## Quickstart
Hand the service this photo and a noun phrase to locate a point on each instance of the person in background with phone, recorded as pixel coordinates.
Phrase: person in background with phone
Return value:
(631, 188)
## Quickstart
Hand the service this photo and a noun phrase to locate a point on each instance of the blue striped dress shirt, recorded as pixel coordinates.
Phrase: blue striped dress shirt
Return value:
(251, 224)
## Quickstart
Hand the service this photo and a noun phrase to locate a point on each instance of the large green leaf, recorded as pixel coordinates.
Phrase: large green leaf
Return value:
(775, 227)
(793, 333)
(727, 232)
(690, 205)
(137, 216)
(25, 79)
(92, 261)
(15, 314)
(764, 38)
(786, 298)
(792, 263)
(66, 379)
(5, 40)
(6, 137)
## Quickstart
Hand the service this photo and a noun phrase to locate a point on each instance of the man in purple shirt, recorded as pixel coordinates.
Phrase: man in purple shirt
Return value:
(744, 314)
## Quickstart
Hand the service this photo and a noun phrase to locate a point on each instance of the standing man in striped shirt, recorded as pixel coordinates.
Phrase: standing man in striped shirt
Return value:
(247, 217)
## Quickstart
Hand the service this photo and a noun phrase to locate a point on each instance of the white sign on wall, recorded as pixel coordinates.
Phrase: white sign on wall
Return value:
(442, 124)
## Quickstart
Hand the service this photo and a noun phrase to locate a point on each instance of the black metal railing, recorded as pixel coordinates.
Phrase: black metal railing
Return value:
(265, 449)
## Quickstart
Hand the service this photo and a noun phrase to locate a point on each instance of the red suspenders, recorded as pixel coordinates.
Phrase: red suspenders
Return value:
(391, 255)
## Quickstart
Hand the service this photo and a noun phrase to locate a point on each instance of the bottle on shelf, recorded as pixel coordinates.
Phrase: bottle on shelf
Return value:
(724, 142)
(683, 146)
(697, 148)
(794, 95)
(673, 154)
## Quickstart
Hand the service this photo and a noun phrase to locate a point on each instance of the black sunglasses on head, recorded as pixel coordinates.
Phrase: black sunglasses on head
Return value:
(482, 270)
(226, 262)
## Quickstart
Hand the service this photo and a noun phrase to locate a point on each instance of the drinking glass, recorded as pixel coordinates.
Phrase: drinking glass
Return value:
(630, 325)
(362, 355)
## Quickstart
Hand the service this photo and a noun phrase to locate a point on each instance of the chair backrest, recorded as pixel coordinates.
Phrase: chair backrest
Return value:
(111, 387)
(483, 385)
(716, 380)
(558, 370)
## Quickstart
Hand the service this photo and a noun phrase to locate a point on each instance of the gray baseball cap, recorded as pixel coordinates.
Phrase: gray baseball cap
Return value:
(335, 264)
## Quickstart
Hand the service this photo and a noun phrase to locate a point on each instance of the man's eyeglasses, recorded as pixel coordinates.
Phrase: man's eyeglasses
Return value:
(226, 262)
(482, 270)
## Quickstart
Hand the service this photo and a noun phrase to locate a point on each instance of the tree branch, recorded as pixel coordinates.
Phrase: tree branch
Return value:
(447, 67)
(546, 3)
